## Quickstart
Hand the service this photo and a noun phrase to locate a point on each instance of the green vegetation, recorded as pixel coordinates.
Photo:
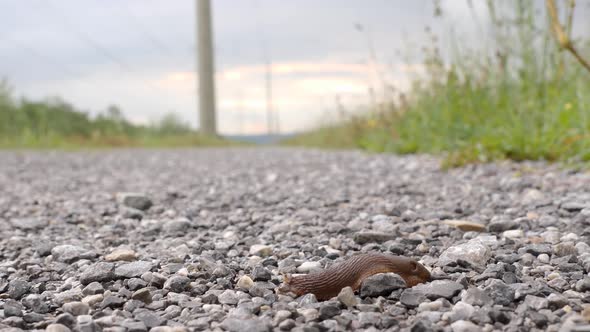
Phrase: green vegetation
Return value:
(520, 97)
(53, 123)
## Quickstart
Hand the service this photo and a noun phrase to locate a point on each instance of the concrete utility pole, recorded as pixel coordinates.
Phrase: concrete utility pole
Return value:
(206, 68)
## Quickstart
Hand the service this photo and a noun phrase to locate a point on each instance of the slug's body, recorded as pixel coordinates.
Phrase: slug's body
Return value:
(328, 283)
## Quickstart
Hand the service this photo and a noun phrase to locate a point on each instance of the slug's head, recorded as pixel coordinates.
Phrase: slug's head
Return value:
(414, 273)
(289, 285)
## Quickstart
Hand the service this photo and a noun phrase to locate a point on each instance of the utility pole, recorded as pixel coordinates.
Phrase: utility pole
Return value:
(269, 122)
(206, 68)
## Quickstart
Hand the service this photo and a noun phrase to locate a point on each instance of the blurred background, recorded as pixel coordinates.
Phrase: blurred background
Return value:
(476, 80)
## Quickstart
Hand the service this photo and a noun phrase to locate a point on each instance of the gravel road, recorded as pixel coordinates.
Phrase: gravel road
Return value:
(176, 240)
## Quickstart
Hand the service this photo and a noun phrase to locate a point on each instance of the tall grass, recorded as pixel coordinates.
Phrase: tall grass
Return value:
(518, 98)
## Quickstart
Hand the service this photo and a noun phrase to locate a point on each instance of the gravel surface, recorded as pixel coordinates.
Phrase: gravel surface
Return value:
(138, 240)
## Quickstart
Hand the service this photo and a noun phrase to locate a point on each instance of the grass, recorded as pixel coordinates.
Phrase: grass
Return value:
(520, 99)
(55, 124)
(76, 143)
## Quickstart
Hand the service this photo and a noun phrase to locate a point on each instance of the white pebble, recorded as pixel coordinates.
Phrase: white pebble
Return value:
(543, 258)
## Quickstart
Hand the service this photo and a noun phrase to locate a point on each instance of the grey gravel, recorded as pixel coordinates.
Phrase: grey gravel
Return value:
(381, 284)
(98, 272)
(183, 240)
(133, 269)
(135, 200)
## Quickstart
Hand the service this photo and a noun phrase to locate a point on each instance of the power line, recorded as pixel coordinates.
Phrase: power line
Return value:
(271, 119)
(86, 38)
(56, 64)
(148, 36)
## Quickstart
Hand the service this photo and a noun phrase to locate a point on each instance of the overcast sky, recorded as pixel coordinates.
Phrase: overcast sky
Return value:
(139, 54)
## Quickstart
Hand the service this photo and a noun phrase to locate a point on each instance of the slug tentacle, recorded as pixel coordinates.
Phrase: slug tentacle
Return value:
(328, 283)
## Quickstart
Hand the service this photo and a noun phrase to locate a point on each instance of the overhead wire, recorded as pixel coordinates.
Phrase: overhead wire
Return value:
(147, 35)
(87, 39)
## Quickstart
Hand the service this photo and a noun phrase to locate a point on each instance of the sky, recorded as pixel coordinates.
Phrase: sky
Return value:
(140, 55)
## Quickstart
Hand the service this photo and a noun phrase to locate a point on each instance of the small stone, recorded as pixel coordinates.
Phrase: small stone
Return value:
(112, 302)
(85, 323)
(367, 319)
(33, 317)
(422, 325)
(329, 310)
(431, 306)
(29, 224)
(259, 273)
(499, 316)
(133, 269)
(93, 288)
(500, 293)
(245, 282)
(121, 255)
(381, 284)
(176, 226)
(573, 206)
(261, 250)
(461, 311)
(76, 308)
(250, 325)
(582, 248)
(13, 309)
(465, 226)
(307, 267)
(543, 258)
(583, 285)
(308, 299)
(17, 288)
(142, 295)
(474, 251)
(228, 297)
(538, 318)
(135, 200)
(177, 283)
(287, 325)
(57, 328)
(464, 326)
(93, 300)
(347, 297)
(37, 303)
(532, 196)
(68, 253)
(501, 225)
(163, 329)
(513, 234)
(66, 319)
(372, 237)
(537, 249)
(98, 272)
(131, 213)
(130, 325)
(564, 249)
(438, 288)
(556, 301)
(536, 302)
(475, 296)
(309, 314)
(280, 316)
(70, 295)
(412, 297)
(136, 283)
(150, 319)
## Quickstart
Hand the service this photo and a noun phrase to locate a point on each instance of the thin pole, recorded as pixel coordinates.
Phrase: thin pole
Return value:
(269, 110)
(206, 68)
